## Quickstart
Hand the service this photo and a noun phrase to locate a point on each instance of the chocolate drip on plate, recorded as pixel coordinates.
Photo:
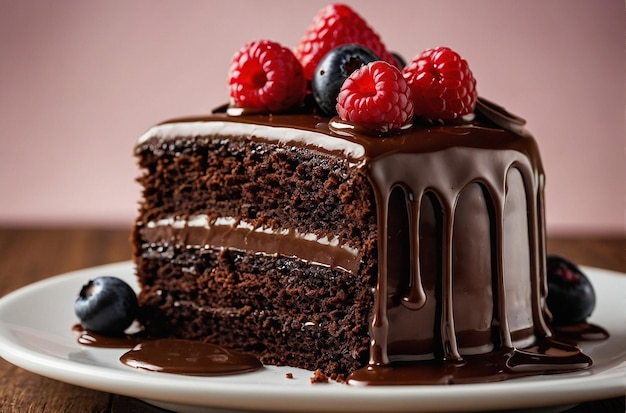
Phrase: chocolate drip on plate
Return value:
(189, 357)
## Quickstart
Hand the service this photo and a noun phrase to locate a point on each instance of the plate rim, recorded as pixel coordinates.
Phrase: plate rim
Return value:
(174, 389)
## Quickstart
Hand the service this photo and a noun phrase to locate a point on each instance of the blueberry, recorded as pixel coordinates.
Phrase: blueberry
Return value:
(106, 305)
(333, 70)
(571, 298)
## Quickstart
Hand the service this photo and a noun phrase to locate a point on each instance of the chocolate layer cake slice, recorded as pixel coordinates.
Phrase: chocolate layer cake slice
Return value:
(309, 244)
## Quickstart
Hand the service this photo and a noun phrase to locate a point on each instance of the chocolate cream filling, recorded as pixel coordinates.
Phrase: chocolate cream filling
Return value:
(200, 232)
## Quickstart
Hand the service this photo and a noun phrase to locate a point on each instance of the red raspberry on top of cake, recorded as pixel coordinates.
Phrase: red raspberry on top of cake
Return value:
(333, 26)
(265, 75)
(442, 84)
(376, 96)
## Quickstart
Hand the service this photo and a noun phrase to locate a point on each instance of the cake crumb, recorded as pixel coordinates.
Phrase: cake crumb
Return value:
(289, 375)
(319, 377)
(339, 378)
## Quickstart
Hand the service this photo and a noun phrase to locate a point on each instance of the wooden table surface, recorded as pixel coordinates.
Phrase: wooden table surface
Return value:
(29, 255)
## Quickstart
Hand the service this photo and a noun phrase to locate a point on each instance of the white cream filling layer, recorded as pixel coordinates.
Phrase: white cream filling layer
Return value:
(281, 135)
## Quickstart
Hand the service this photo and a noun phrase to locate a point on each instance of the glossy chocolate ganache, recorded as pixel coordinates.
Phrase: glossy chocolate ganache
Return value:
(459, 242)
(176, 356)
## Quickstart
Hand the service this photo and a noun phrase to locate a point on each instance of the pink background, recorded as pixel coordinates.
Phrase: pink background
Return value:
(81, 80)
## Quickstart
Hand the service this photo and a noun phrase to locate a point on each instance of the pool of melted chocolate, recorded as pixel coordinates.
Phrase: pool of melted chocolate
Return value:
(545, 357)
(188, 357)
(170, 355)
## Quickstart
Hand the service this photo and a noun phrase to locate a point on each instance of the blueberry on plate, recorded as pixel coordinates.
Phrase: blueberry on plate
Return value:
(571, 298)
(334, 68)
(106, 305)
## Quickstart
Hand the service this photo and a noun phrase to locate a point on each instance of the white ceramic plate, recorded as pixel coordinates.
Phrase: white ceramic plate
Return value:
(35, 334)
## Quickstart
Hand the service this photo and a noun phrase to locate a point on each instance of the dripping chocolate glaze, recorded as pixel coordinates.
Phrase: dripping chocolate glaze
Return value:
(422, 175)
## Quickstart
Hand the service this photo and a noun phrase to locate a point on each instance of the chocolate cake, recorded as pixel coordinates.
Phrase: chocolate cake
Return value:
(353, 215)
(418, 257)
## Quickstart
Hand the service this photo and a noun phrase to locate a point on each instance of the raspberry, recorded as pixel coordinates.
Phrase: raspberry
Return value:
(266, 75)
(333, 26)
(377, 97)
(442, 84)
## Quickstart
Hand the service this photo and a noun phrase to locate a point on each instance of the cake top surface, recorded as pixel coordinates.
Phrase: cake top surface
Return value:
(341, 138)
